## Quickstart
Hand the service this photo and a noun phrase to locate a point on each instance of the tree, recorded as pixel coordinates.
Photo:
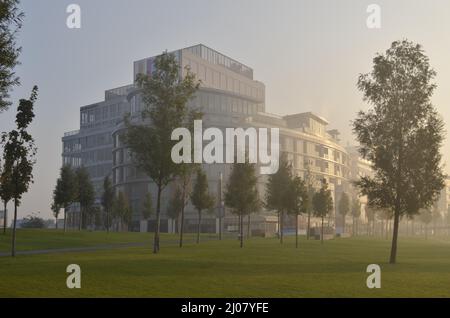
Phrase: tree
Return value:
(356, 213)
(370, 214)
(107, 200)
(56, 209)
(122, 211)
(66, 190)
(241, 194)
(165, 95)
(309, 180)
(86, 194)
(322, 204)
(385, 215)
(10, 23)
(147, 207)
(401, 134)
(436, 216)
(95, 213)
(298, 201)
(184, 192)
(200, 197)
(277, 191)
(426, 216)
(19, 155)
(5, 194)
(118, 209)
(128, 214)
(33, 222)
(174, 205)
(344, 207)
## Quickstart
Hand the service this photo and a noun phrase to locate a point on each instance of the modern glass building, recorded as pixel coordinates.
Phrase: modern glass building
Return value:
(229, 97)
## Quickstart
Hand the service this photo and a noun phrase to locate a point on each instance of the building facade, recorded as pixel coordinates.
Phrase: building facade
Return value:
(229, 97)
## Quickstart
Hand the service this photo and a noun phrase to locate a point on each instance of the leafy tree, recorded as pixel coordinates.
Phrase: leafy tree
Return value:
(66, 190)
(322, 204)
(309, 180)
(19, 155)
(122, 211)
(436, 216)
(241, 194)
(56, 209)
(183, 190)
(95, 213)
(165, 95)
(385, 215)
(10, 23)
(356, 213)
(33, 222)
(107, 200)
(128, 214)
(277, 191)
(118, 209)
(200, 197)
(370, 214)
(298, 201)
(344, 207)
(5, 194)
(147, 207)
(401, 134)
(426, 216)
(175, 204)
(86, 194)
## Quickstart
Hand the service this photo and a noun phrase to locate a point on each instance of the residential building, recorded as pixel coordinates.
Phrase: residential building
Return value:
(229, 97)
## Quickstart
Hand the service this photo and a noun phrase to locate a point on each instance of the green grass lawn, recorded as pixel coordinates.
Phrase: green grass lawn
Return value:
(262, 268)
(28, 239)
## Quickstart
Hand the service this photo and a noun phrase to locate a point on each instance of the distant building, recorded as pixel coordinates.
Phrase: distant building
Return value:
(229, 97)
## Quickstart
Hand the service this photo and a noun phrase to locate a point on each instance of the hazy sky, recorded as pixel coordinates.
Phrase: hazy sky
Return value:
(308, 54)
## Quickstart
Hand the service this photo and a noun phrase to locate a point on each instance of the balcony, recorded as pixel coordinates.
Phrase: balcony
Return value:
(71, 133)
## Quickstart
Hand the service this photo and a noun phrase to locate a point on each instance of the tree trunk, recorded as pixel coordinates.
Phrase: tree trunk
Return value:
(309, 224)
(65, 220)
(353, 226)
(158, 221)
(343, 224)
(5, 217)
(281, 226)
(357, 226)
(107, 221)
(182, 226)
(198, 225)
(242, 230)
(321, 233)
(393, 257)
(296, 231)
(387, 229)
(81, 219)
(248, 226)
(13, 249)
(56, 222)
